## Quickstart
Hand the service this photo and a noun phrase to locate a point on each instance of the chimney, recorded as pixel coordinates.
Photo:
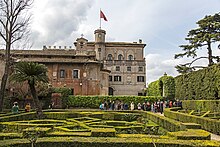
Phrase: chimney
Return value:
(44, 47)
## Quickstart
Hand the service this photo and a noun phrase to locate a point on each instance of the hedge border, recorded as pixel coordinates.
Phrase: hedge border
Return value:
(206, 123)
(202, 105)
(166, 123)
(108, 142)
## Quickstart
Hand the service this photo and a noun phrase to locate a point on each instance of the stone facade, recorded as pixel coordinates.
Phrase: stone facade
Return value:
(92, 68)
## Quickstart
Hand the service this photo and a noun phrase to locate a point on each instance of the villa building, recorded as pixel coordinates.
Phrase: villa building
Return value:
(91, 68)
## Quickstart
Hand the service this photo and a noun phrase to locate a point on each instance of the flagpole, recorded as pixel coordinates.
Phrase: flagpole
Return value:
(100, 19)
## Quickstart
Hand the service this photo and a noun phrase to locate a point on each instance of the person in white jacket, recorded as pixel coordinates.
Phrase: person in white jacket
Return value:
(132, 106)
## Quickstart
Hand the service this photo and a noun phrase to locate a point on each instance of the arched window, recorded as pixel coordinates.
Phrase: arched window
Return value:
(109, 57)
(120, 57)
(130, 57)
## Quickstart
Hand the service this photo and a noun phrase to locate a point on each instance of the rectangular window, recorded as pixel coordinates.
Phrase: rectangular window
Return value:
(110, 78)
(62, 73)
(75, 74)
(140, 68)
(129, 68)
(117, 78)
(117, 68)
(140, 78)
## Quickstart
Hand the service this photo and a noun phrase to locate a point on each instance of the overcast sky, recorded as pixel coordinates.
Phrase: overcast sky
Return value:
(161, 24)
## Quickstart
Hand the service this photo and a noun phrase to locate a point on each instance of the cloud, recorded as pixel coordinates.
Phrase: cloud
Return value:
(54, 21)
(157, 66)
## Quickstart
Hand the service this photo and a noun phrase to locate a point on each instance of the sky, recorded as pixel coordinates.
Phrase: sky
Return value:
(161, 24)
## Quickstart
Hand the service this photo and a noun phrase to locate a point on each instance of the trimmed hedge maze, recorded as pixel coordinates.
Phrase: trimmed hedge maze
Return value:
(205, 119)
(100, 128)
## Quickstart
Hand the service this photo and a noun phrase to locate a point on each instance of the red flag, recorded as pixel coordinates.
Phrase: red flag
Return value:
(102, 15)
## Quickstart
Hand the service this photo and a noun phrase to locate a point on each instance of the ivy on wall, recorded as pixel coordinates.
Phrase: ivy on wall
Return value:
(201, 84)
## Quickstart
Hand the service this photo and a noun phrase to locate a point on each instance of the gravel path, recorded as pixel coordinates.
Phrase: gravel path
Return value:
(215, 137)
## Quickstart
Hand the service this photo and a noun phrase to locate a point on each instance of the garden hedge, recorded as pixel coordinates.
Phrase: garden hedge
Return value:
(191, 134)
(166, 123)
(202, 84)
(164, 87)
(18, 117)
(108, 142)
(202, 105)
(207, 124)
(65, 92)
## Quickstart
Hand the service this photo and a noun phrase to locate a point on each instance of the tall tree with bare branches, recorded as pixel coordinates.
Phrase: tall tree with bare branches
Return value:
(14, 22)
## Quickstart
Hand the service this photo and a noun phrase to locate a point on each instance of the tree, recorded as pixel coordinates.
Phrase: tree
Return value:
(14, 22)
(205, 35)
(32, 73)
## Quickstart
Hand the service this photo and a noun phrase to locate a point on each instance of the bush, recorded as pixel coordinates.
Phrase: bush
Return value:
(4, 136)
(202, 105)
(167, 123)
(206, 123)
(65, 92)
(191, 134)
(18, 117)
(108, 142)
(103, 132)
(198, 85)
(165, 87)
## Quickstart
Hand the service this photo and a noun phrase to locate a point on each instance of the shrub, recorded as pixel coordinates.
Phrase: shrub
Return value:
(198, 85)
(202, 105)
(65, 92)
(206, 123)
(191, 134)
(4, 136)
(108, 142)
(167, 123)
(165, 87)
(103, 132)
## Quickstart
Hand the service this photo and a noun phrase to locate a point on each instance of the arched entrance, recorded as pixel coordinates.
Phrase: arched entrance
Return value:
(110, 91)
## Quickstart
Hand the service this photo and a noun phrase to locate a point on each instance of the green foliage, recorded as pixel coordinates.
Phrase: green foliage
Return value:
(202, 105)
(208, 32)
(4, 135)
(154, 89)
(109, 142)
(29, 71)
(167, 84)
(198, 85)
(95, 101)
(79, 129)
(165, 122)
(130, 117)
(191, 134)
(184, 69)
(65, 92)
(165, 87)
(206, 123)
(103, 132)
(32, 73)
(17, 117)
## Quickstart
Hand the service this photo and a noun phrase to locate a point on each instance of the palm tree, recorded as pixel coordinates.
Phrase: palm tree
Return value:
(31, 73)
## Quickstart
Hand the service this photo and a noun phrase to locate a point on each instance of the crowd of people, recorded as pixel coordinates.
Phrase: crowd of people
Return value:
(157, 106)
